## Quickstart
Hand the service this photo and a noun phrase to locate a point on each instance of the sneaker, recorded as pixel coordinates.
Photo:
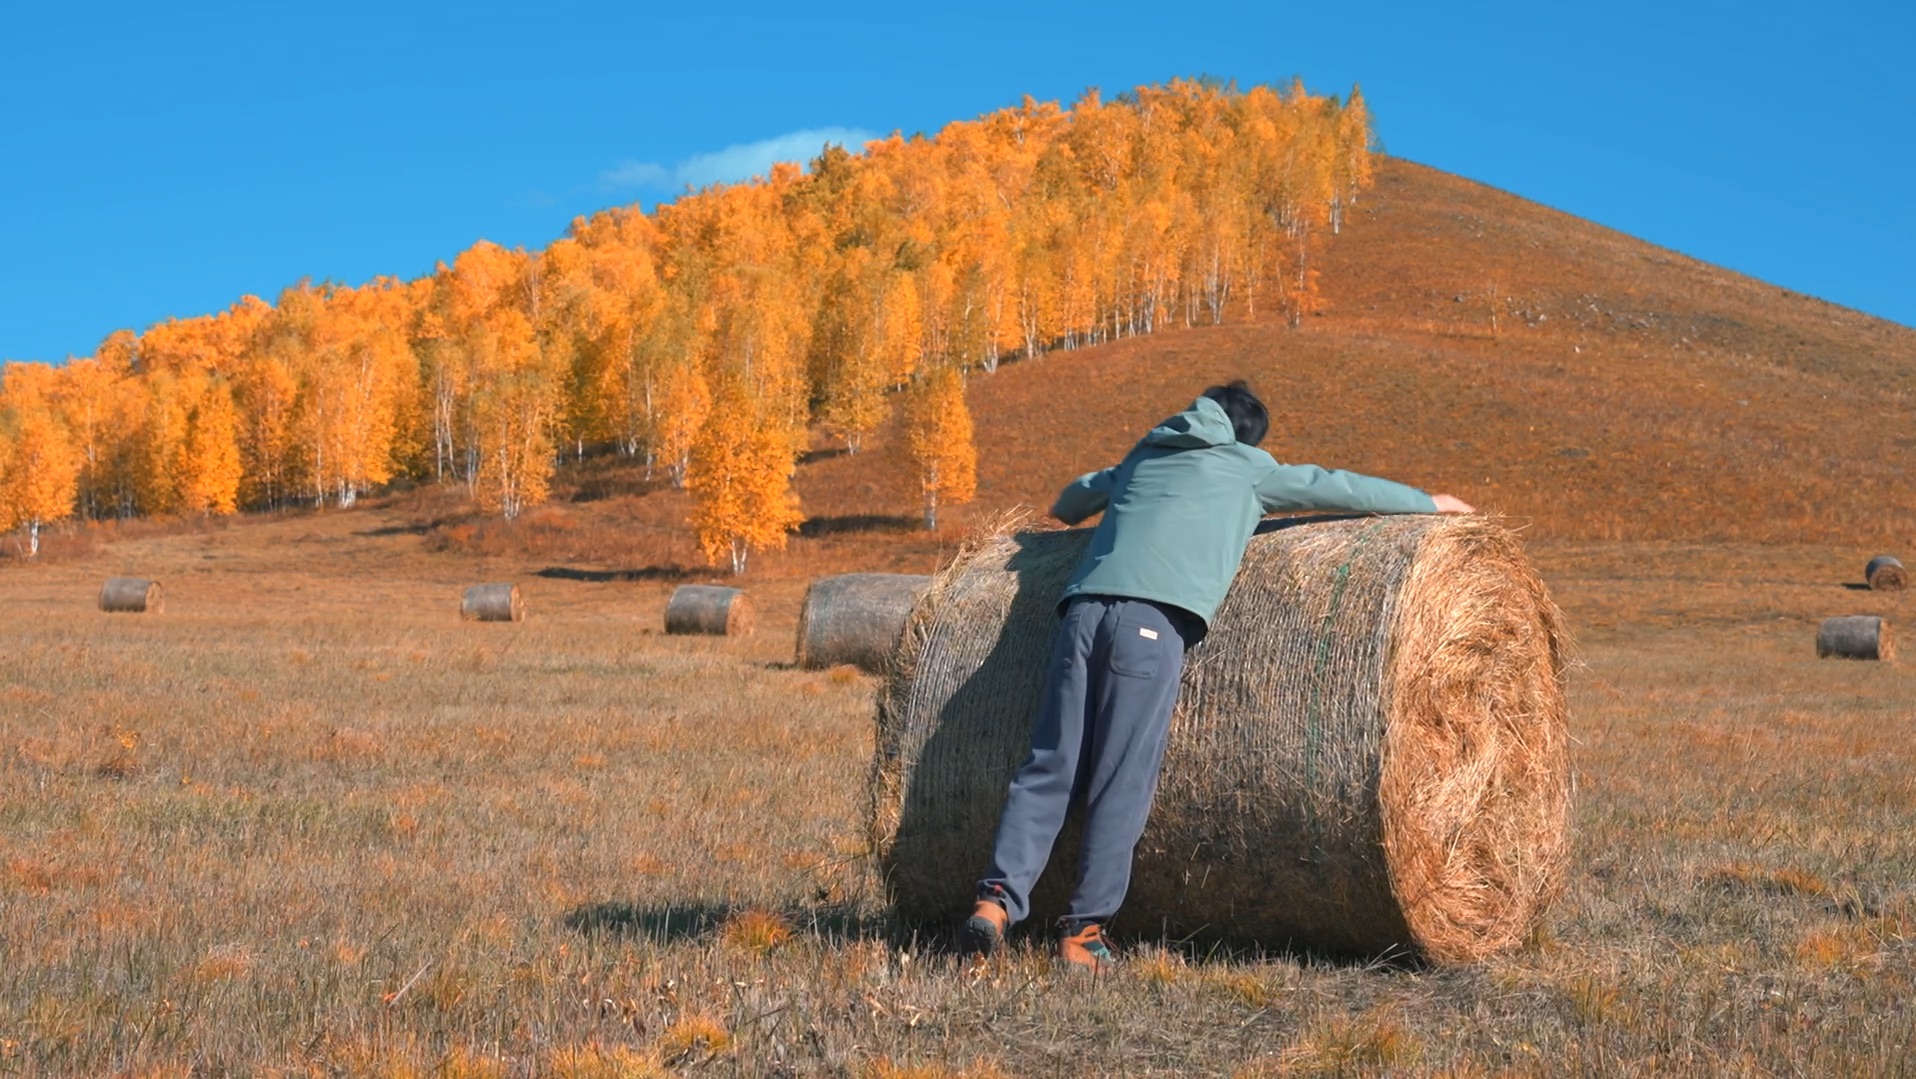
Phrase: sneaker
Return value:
(1084, 947)
(985, 929)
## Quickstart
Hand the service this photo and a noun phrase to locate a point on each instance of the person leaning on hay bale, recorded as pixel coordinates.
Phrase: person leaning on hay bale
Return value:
(1179, 511)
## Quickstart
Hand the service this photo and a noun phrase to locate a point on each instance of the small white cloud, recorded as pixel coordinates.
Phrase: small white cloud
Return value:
(735, 163)
(637, 174)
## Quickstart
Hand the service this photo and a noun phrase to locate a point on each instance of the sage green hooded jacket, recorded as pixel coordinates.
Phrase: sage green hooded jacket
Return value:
(1180, 509)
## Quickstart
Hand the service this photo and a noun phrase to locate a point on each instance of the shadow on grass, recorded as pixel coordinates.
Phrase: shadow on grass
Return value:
(601, 488)
(673, 922)
(858, 522)
(601, 576)
(810, 456)
(1207, 950)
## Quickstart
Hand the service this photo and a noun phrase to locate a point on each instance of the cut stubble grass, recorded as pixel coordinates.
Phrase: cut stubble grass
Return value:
(353, 835)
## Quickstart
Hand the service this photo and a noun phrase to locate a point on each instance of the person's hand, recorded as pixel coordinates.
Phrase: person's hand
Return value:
(1452, 504)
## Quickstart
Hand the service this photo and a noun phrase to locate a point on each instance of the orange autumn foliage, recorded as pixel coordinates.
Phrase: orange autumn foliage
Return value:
(740, 478)
(512, 412)
(802, 298)
(39, 470)
(938, 438)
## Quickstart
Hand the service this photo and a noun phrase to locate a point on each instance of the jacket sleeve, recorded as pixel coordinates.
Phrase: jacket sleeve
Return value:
(1084, 496)
(1308, 487)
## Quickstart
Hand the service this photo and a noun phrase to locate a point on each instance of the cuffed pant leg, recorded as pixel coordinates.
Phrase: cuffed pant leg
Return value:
(1040, 792)
(1134, 687)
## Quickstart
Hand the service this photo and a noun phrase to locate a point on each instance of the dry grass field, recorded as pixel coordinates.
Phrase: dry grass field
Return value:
(307, 822)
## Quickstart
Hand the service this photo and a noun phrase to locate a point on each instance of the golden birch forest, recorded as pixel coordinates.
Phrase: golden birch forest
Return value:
(713, 339)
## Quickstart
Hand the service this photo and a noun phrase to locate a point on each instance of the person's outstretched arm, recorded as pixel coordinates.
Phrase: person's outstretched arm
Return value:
(1084, 496)
(1308, 487)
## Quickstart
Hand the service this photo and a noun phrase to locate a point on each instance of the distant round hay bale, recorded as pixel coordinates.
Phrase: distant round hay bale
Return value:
(1885, 574)
(130, 595)
(856, 618)
(492, 603)
(1856, 636)
(1369, 753)
(708, 609)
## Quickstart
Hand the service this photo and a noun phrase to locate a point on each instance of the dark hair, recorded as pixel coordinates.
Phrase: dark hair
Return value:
(1249, 419)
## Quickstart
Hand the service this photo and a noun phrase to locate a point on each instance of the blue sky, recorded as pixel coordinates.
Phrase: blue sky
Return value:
(164, 159)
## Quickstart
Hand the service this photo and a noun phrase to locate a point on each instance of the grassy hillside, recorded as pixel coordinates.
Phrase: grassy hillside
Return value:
(1623, 391)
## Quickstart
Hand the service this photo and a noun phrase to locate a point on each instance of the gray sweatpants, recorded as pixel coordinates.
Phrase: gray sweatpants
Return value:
(1098, 739)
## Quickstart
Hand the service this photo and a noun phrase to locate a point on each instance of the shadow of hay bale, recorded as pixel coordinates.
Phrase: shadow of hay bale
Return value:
(606, 576)
(671, 923)
(815, 527)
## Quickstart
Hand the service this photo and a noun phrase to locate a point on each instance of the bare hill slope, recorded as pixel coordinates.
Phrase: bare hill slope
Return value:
(1527, 360)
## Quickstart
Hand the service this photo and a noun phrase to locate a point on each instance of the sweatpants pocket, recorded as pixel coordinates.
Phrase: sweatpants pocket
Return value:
(1137, 646)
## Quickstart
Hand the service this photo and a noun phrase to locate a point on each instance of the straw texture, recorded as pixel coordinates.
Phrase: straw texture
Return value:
(1369, 753)
(1885, 574)
(130, 595)
(1855, 636)
(708, 609)
(856, 618)
(492, 603)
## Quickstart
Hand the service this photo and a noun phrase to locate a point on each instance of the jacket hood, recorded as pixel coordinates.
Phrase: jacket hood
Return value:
(1203, 424)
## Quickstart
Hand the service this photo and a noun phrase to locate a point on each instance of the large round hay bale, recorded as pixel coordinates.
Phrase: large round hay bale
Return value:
(492, 603)
(1885, 574)
(709, 609)
(1369, 753)
(856, 618)
(130, 595)
(1856, 636)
